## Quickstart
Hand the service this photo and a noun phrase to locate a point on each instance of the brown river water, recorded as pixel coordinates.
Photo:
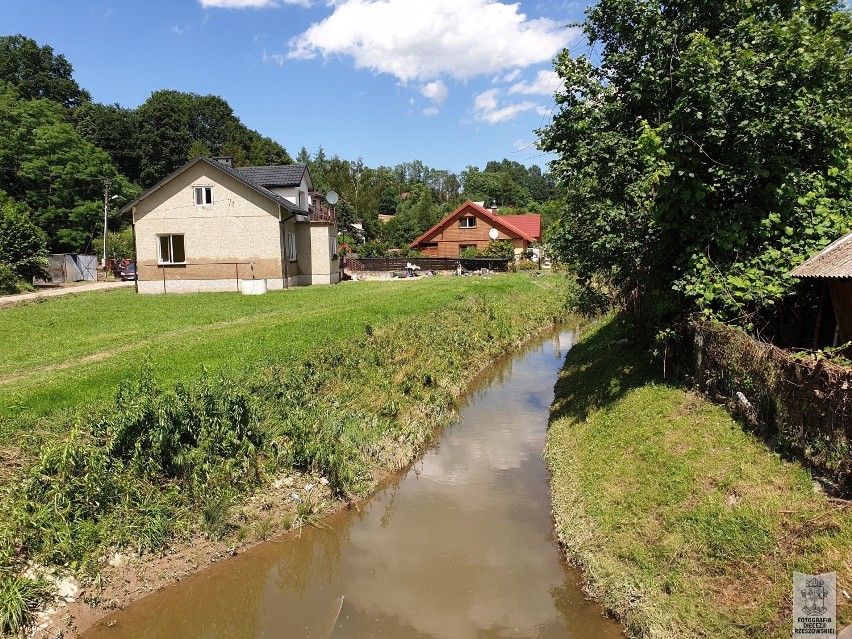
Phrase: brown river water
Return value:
(461, 547)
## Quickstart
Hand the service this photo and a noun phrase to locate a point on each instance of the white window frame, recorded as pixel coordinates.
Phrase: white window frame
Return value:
(171, 237)
(202, 192)
(332, 243)
(302, 200)
(471, 222)
(291, 247)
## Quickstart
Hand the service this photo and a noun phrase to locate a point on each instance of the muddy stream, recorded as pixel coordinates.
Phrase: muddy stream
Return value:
(461, 547)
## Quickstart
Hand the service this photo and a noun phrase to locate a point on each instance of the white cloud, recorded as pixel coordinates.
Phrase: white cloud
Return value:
(424, 40)
(249, 4)
(435, 91)
(430, 111)
(179, 30)
(277, 58)
(546, 82)
(512, 76)
(487, 108)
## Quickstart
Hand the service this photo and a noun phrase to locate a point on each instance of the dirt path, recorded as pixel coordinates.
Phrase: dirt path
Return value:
(64, 289)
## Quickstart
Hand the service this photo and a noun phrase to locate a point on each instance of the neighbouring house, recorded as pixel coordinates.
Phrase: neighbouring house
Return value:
(472, 225)
(212, 227)
(833, 266)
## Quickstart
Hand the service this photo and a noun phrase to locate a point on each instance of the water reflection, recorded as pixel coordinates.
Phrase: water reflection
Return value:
(461, 548)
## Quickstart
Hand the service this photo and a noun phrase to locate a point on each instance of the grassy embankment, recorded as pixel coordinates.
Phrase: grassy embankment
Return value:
(686, 525)
(343, 383)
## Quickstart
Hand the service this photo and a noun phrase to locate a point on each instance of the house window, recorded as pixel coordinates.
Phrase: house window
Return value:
(302, 200)
(467, 223)
(464, 247)
(203, 195)
(332, 242)
(171, 249)
(291, 246)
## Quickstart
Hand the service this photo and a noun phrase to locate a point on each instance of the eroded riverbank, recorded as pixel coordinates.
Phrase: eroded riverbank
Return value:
(462, 546)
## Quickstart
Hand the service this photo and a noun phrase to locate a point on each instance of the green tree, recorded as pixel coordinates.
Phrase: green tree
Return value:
(23, 250)
(39, 73)
(707, 154)
(57, 174)
(499, 249)
(113, 129)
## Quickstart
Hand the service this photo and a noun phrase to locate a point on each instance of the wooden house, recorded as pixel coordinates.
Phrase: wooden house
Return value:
(472, 225)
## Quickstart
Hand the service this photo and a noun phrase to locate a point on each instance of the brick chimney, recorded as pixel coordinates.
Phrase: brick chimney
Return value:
(493, 207)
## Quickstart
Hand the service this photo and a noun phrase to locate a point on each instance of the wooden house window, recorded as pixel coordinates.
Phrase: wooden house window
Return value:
(467, 222)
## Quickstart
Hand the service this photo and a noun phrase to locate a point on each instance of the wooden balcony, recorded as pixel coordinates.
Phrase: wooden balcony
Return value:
(319, 214)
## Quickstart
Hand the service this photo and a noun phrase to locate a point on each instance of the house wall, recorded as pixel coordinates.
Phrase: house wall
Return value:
(314, 246)
(237, 237)
(291, 193)
(450, 238)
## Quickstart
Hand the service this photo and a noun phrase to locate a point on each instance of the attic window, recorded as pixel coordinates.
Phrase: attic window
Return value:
(203, 195)
(467, 223)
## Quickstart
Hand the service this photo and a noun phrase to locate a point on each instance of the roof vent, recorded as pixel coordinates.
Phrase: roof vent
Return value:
(229, 162)
(493, 207)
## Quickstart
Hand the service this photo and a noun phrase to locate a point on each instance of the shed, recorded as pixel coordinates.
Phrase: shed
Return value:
(833, 265)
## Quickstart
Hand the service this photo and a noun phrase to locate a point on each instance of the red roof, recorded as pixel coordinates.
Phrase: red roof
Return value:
(506, 222)
(529, 224)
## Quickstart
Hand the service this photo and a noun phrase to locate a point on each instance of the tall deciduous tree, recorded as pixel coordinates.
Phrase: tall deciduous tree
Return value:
(37, 72)
(707, 153)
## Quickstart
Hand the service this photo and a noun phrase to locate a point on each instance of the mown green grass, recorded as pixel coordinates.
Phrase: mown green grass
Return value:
(687, 526)
(70, 351)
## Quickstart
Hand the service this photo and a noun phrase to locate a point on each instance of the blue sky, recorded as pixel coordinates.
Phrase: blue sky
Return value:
(449, 82)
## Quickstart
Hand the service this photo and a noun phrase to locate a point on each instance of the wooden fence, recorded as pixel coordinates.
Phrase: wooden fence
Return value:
(804, 404)
(361, 264)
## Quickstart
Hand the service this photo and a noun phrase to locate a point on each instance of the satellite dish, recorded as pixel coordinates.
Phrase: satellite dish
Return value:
(332, 197)
(493, 233)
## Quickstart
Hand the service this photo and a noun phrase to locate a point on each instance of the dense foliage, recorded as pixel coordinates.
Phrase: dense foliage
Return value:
(22, 248)
(706, 155)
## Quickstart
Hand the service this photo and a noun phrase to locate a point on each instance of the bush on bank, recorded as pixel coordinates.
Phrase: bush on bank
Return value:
(159, 464)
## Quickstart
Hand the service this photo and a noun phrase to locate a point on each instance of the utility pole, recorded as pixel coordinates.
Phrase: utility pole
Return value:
(106, 213)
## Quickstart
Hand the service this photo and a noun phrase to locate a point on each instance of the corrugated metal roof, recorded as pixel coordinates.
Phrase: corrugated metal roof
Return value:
(835, 260)
(529, 224)
(274, 176)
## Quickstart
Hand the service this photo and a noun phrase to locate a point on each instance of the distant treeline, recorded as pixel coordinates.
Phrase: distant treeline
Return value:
(61, 154)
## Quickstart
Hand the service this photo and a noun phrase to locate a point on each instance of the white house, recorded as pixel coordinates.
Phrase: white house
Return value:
(210, 227)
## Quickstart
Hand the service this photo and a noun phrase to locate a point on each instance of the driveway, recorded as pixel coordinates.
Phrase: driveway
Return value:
(62, 289)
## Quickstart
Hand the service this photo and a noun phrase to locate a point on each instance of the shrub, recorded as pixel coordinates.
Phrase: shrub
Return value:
(499, 249)
(23, 247)
(10, 283)
(527, 265)
(470, 252)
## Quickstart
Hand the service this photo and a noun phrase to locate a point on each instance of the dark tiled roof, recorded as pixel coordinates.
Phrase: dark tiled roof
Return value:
(274, 176)
(835, 260)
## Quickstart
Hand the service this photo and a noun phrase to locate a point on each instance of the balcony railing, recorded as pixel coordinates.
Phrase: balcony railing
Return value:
(319, 213)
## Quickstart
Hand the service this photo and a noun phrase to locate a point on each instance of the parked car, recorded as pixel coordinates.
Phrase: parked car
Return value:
(128, 272)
